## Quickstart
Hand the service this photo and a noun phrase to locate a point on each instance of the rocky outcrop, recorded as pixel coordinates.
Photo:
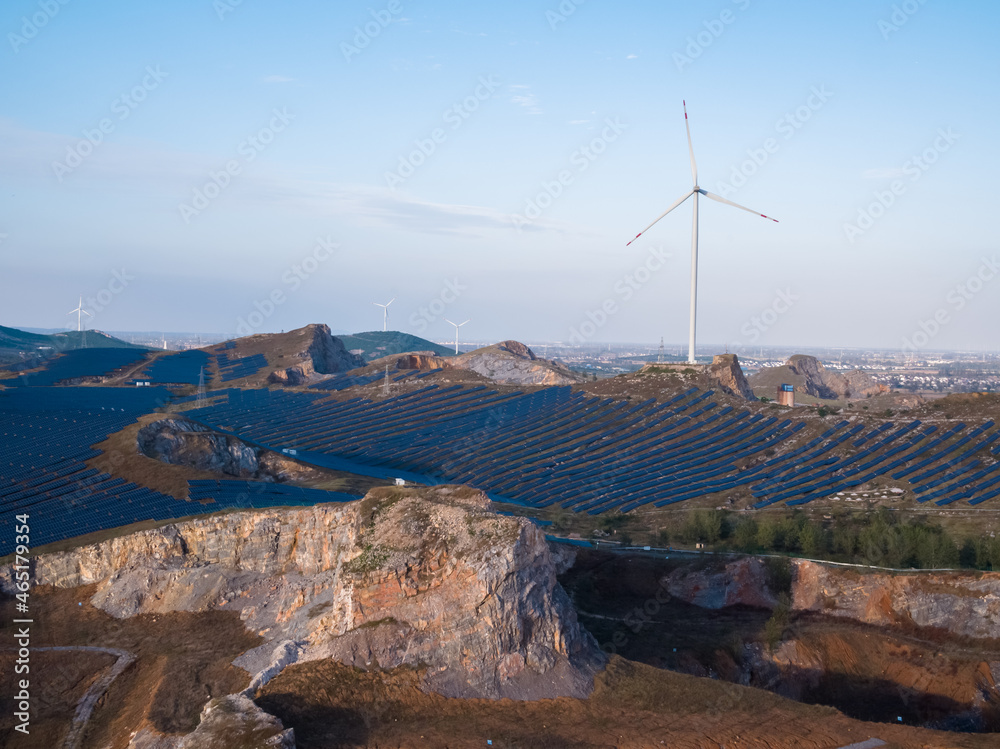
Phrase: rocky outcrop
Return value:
(232, 721)
(181, 442)
(429, 577)
(509, 363)
(860, 384)
(740, 583)
(323, 354)
(727, 375)
(966, 604)
(808, 375)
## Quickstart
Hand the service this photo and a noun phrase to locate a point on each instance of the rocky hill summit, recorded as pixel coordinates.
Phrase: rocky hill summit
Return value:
(808, 375)
(507, 362)
(727, 375)
(312, 351)
(428, 578)
(177, 441)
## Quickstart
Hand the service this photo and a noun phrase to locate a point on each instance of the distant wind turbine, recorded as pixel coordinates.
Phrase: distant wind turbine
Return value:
(79, 312)
(696, 191)
(385, 313)
(459, 325)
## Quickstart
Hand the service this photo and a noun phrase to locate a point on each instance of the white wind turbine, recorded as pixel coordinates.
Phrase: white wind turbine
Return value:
(696, 191)
(385, 313)
(459, 325)
(79, 312)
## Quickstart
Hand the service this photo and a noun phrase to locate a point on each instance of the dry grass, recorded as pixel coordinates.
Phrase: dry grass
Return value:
(633, 705)
(183, 660)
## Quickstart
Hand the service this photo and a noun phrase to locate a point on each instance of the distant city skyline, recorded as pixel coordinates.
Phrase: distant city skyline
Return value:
(236, 166)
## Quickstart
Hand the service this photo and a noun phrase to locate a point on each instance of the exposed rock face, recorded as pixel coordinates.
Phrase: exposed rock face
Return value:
(807, 375)
(323, 354)
(964, 604)
(233, 721)
(415, 577)
(509, 362)
(182, 442)
(860, 384)
(741, 583)
(727, 375)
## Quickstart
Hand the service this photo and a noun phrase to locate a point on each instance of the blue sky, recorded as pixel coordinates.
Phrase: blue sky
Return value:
(490, 161)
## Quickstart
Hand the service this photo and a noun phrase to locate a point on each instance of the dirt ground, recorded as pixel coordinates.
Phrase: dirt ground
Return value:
(633, 705)
(183, 660)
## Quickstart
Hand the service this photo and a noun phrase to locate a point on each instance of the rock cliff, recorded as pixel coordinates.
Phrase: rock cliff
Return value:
(727, 375)
(508, 362)
(181, 442)
(966, 604)
(430, 578)
(808, 375)
(322, 354)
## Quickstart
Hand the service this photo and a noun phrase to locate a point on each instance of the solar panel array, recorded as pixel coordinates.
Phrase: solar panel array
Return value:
(260, 494)
(45, 438)
(233, 369)
(181, 368)
(86, 362)
(549, 446)
(554, 446)
(345, 380)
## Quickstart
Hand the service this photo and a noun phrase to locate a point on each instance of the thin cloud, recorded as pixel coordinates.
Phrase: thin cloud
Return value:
(526, 100)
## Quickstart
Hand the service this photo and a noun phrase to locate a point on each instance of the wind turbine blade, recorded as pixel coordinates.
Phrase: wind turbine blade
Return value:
(391, 301)
(72, 312)
(86, 313)
(464, 323)
(694, 167)
(720, 199)
(449, 321)
(686, 196)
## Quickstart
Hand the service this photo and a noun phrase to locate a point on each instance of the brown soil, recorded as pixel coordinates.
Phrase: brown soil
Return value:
(633, 705)
(183, 660)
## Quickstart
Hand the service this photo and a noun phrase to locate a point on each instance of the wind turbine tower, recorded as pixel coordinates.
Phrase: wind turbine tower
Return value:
(385, 313)
(695, 191)
(79, 312)
(457, 326)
